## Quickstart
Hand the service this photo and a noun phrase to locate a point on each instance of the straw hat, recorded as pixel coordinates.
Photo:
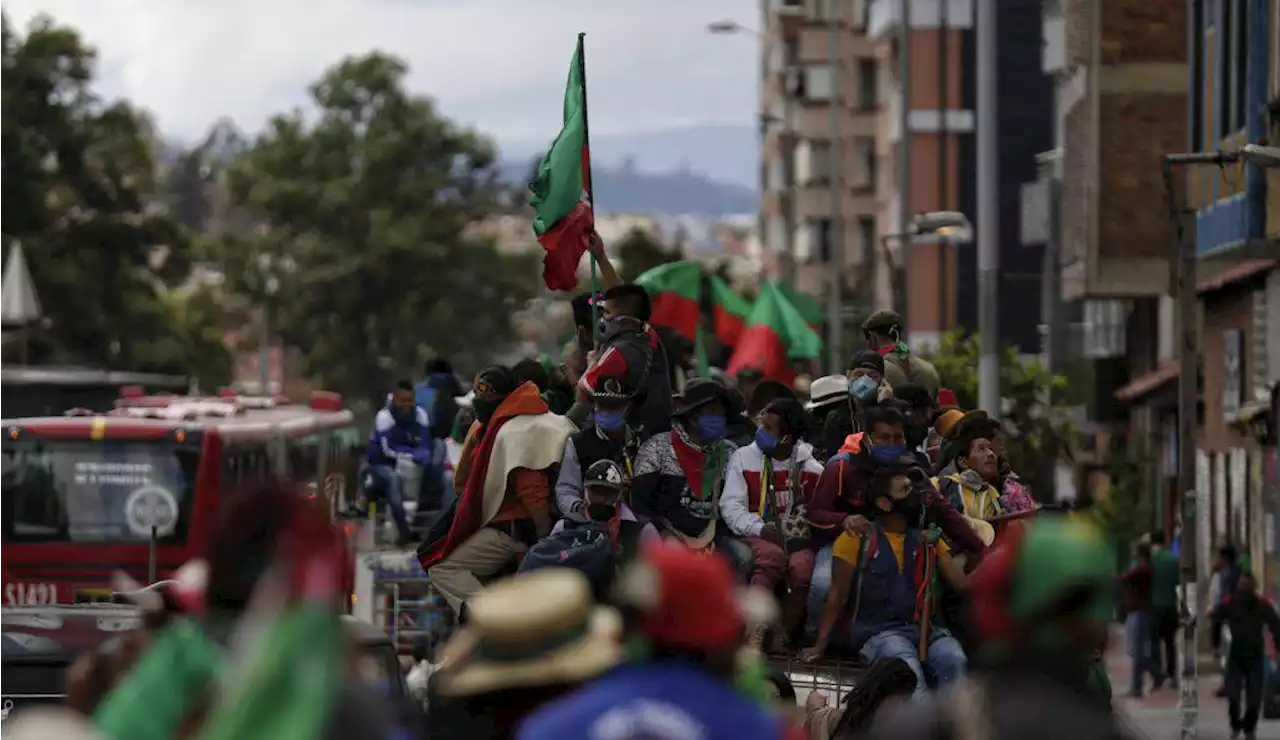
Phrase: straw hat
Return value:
(49, 723)
(534, 629)
(827, 390)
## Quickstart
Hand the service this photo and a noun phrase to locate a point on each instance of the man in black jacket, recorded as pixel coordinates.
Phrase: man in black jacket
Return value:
(1246, 614)
(632, 349)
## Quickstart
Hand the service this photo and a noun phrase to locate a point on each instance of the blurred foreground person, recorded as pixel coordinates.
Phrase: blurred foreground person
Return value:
(688, 625)
(270, 614)
(886, 684)
(1042, 603)
(529, 639)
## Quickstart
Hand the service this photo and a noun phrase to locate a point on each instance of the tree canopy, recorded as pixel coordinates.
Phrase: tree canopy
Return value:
(81, 194)
(362, 213)
(1035, 429)
(639, 252)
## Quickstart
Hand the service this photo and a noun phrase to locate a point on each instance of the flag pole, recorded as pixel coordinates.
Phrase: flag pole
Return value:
(586, 178)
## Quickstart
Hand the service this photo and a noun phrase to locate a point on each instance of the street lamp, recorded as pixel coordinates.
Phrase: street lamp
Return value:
(730, 26)
(1188, 394)
(934, 227)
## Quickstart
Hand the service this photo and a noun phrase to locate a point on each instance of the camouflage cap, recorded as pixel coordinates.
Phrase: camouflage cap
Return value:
(882, 320)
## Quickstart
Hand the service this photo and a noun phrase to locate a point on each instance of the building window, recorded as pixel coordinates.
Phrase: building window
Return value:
(868, 93)
(819, 239)
(818, 83)
(1233, 37)
(866, 239)
(818, 10)
(814, 162)
(864, 174)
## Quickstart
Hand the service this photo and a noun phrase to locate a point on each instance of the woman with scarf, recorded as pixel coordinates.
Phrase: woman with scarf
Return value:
(680, 474)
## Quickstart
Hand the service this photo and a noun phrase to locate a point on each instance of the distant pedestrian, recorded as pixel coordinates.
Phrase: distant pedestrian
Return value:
(1246, 614)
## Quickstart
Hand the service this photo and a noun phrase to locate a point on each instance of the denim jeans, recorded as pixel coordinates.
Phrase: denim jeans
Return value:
(381, 483)
(819, 587)
(946, 659)
(1144, 648)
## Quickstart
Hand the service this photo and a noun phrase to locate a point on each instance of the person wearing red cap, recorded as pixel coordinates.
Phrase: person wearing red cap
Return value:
(689, 617)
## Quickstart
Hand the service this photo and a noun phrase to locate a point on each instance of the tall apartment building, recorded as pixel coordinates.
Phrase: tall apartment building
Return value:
(940, 286)
(816, 55)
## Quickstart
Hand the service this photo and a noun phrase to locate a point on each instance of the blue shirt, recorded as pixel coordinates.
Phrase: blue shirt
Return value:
(653, 701)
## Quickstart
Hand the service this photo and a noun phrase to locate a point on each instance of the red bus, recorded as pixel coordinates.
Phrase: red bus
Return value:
(88, 494)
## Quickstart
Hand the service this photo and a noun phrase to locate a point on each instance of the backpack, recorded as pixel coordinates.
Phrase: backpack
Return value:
(587, 549)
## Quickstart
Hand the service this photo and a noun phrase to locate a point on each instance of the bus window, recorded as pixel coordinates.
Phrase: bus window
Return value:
(304, 458)
(71, 490)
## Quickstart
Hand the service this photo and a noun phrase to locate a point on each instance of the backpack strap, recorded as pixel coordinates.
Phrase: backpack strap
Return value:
(864, 550)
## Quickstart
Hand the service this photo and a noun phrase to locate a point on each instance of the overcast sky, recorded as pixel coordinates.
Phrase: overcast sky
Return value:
(497, 64)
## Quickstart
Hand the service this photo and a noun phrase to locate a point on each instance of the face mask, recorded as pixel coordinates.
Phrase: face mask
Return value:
(484, 409)
(887, 453)
(766, 441)
(909, 507)
(610, 421)
(600, 512)
(864, 390)
(711, 427)
(916, 434)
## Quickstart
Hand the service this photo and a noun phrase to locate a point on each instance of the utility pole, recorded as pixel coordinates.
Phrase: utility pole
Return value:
(944, 167)
(904, 165)
(835, 297)
(1184, 256)
(988, 211)
(789, 84)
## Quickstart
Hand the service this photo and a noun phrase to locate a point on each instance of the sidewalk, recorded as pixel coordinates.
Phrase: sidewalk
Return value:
(1156, 715)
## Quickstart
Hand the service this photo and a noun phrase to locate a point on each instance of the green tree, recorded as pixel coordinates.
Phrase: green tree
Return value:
(80, 194)
(1034, 422)
(639, 252)
(363, 209)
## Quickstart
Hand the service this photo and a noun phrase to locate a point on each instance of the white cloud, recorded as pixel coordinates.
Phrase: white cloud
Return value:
(497, 64)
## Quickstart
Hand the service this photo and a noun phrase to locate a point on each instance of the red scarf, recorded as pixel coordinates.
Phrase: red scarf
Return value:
(693, 463)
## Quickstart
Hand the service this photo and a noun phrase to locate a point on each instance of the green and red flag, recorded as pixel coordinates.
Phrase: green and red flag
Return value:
(776, 335)
(561, 190)
(806, 304)
(675, 290)
(729, 311)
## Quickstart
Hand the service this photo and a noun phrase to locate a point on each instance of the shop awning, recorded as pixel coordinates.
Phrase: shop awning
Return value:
(1148, 382)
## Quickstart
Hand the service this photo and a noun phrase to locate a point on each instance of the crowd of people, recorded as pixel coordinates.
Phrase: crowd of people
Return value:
(621, 548)
(866, 507)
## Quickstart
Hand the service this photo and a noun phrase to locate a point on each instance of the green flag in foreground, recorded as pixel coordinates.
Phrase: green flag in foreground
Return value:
(158, 693)
(776, 334)
(561, 198)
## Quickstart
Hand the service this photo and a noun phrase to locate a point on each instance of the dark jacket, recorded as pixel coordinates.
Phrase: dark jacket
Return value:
(1246, 615)
(842, 491)
(436, 395)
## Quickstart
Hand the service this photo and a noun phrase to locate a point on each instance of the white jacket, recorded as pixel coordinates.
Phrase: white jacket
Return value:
(740, 501)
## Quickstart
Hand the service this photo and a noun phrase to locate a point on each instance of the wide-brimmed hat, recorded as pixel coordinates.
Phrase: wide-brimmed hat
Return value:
(688, 601)
(976, 423)
(698, 393)
(946, 422)
(49, 723)
(533, 629)
(827, 390)
(613, 388)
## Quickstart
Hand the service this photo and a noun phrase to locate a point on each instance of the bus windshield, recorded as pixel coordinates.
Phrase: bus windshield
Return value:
(107, 491)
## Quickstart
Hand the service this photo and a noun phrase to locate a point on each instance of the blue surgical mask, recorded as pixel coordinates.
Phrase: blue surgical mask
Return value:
(766, 441)
(712, 427)
(864, 389)
(610, 421)
(887, 453)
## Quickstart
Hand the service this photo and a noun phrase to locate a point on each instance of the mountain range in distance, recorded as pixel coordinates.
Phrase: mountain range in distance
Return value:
(708, 170)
